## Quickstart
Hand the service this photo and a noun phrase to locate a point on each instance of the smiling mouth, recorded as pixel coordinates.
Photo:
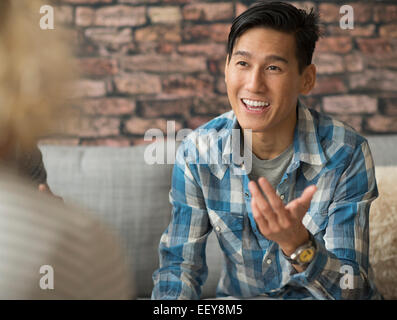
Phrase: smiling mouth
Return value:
(255, 106)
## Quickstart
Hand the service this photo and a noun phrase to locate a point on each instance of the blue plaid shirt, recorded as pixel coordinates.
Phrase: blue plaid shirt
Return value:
(209, 196)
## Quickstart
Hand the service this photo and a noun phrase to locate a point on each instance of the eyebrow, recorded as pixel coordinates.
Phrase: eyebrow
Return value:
(272, 57)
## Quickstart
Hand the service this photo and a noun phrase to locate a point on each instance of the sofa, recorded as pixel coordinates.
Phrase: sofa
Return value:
(118, 186)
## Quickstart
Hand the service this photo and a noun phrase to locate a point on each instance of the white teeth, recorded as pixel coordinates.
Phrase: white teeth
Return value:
(255, 104)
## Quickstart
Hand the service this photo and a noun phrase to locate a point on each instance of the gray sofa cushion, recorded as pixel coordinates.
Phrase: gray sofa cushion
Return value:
(384, 149)
(131, 196)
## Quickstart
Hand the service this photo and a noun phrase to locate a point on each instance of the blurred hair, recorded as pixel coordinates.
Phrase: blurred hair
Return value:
(282, 17)
(35, 70)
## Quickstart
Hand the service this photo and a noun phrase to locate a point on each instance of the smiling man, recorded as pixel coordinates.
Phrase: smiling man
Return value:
(290, 227)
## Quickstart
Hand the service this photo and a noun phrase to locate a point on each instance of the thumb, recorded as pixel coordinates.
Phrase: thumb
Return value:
(43, 187)
(300, 205)
(307, 196)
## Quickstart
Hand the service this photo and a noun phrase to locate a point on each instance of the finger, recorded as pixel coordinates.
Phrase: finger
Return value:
(43, 187)
(260, 219)
(276, 203)
(261, 203)
(301, 205)
(307, 195)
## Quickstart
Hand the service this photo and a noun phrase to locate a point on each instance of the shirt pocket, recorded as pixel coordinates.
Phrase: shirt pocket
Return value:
(228, 227)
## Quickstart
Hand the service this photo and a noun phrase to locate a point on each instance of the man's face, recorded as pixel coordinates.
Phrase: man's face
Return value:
(263, 80)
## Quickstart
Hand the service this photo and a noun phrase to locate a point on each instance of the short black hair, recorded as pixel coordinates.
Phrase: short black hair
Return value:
(282, 17)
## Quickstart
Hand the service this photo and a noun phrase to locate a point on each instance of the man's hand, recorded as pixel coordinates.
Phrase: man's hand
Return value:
(278, 222)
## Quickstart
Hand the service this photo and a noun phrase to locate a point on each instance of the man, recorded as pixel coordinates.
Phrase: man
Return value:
(298, 221)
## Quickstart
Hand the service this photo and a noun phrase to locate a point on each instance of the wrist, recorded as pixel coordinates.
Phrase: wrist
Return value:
(303, 255)
(290, 248)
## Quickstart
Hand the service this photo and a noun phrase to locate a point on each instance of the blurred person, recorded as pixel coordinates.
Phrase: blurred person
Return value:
(48, 250)
(290, 227)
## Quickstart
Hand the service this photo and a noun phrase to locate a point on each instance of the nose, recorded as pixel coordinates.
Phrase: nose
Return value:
(255, 81)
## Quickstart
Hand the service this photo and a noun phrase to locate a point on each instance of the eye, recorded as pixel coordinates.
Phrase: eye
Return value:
(242, 63)
(273, 68)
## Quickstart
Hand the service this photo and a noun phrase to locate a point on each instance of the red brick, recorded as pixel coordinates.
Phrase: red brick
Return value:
(86, 1)
(328, 63)
(348, 104)
(382, 124)
(329, 12)
(211, 105)
(139, 141)
(374, 45)
(391, 106)
(163, 2)
(304, 5)
(137, 125)
(363, 12)
(94, 127)
(240, 8)
(111, 16)
(381, 60)
(89, 88)
(217, 32)
(354, 62)
(158, 33)
(329, 85)
(137, 83)
(385, 13)
(354, 121)
(334, 45)
(168, 107)
(165, 48)
(165, 15)
(208, 11)
(63, 14)
(186, 85)
(366, 30)
(97, 66)
(221, 85)
(139, 1)
(388, 31)
(108, 106)
(59, 141)
(109, 36)
(109, 142)
(164, 63)
(85, 16)
(212, 50)
(120, 15)
(195, 122)
(374, 79)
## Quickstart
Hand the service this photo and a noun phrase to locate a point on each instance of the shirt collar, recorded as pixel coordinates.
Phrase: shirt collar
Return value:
(307, 146)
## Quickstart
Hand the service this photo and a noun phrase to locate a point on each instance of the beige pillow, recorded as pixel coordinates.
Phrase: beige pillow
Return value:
(383, 232)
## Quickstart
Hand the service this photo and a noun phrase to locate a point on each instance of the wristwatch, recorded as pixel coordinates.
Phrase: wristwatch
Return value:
(304, 254)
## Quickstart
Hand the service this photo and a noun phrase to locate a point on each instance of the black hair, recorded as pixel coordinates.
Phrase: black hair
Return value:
(282, 17)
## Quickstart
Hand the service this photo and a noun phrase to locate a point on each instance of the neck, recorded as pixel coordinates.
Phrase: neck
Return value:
(271, 143)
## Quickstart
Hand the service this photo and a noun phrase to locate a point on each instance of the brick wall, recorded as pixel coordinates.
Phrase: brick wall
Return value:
(144, 62)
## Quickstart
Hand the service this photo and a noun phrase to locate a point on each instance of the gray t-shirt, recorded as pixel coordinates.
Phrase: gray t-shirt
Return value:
(272, 169)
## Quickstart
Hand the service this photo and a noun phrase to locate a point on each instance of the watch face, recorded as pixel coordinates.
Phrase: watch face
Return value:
(306, 255)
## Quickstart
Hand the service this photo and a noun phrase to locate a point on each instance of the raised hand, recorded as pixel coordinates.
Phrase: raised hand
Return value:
(278, 222)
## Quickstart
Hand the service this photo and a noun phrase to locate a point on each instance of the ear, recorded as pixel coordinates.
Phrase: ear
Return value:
(308, 79)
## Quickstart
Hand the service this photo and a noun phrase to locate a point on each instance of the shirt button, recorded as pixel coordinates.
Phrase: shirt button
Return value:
(247, 195)
(282, 197)
(269, 261)
(218, 228)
